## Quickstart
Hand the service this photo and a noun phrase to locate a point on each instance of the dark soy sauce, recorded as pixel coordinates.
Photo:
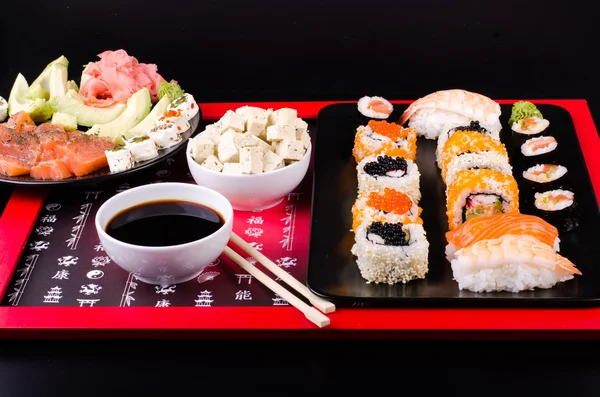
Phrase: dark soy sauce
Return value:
(163, 223)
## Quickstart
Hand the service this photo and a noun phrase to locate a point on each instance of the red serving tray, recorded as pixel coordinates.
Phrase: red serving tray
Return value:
(284, 322)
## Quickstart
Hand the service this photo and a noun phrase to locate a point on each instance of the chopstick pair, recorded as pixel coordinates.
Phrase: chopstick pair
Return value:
(315, 316)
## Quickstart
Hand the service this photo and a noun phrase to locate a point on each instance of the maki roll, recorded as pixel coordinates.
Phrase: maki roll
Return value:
(387, 206)
(381, 137)
(391, 252)
(526, 120)
(544, 177)
(483, 160)
(165, 135)
(375, 107)
(375, 173)
(480, 192)
(559, 208)
(473, 126)
(540, 150)
(463, 142)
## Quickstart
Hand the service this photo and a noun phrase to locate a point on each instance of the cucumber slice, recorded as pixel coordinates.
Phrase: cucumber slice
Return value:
(38, 109)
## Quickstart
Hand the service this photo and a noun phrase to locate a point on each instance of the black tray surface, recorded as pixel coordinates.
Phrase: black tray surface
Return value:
(332, 270)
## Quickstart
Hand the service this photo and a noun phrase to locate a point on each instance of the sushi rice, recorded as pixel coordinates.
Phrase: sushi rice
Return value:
(544, 173)
(482, 160)
(383, 137)
(473, 126)
(367, 105)
(375, 173)
(387, 206)
(554, 200)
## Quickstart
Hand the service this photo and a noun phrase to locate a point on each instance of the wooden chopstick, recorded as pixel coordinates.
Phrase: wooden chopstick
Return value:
(310, 312)
(319, 303)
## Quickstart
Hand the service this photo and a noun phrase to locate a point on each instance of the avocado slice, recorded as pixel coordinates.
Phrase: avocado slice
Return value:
(142, 128)
(73, 103)
(40, 87)
(66, 120)
(38, 109)
(138, 107)
(72, 85)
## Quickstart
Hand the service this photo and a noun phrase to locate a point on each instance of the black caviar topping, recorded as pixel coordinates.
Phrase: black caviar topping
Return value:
(391, 233)
(473, 126)
(385, 164)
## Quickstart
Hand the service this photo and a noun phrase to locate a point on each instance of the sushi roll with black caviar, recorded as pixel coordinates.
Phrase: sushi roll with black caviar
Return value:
(376, 173)
(559, 208)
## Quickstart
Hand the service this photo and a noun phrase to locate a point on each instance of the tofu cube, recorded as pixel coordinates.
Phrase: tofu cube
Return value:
(232, 168)
(256, 121)
(231, 120)
(227, 150)
(272, 162)
(260, 143)
(304, 138)
(201, 148)
(212, 163)
(301, 126)
(271, 117)
(251, 160)
(211, 132)
(281, 132)
(245, 140)
(286, 116)
(290, 149)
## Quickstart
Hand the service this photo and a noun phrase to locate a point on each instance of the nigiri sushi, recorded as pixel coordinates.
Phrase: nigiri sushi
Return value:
(511, 263)
(440, 111)
(495, 226)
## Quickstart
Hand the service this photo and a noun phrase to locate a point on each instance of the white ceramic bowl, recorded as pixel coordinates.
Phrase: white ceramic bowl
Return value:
(252, 192)
(166, 265)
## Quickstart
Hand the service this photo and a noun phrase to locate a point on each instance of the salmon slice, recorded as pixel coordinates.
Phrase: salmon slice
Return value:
(495, 226)
(20, 121)
(48, 155)
(10, 166)
(378, 106)
(82, 153)
(19, 145)
(49, 135)
(51, 169)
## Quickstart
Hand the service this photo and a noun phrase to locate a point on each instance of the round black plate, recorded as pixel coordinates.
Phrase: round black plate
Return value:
(104, 174)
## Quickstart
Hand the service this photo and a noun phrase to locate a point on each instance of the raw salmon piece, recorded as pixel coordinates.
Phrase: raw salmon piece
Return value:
(50, 169)
(48, 155)
(20, 121)
(49, 135)
(19, 145)
(84, 154)
(11, 166)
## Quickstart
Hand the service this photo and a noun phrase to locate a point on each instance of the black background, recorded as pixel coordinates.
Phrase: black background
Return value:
(308, 50)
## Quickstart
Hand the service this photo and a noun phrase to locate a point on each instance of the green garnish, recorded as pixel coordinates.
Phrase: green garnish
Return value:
(138, 139)
(522, 109)
(172, 90)
(117, 148)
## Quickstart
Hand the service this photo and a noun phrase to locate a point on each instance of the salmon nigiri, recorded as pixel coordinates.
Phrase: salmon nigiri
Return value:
(495, 226)
(510, 263)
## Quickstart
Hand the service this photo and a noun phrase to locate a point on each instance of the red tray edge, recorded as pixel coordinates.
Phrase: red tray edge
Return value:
(258, 322)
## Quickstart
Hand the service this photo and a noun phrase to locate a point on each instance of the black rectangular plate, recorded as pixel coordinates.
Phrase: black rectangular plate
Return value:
(332, 270)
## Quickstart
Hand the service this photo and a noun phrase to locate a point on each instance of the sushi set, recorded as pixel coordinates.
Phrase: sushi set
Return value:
(452, 200)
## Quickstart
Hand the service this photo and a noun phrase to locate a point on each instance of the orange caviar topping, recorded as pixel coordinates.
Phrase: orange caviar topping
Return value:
(391, 130)
(390, 201)
(364, 146)
(393, 202)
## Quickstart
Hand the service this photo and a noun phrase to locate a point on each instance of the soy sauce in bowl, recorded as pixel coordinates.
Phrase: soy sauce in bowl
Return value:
(164, 223)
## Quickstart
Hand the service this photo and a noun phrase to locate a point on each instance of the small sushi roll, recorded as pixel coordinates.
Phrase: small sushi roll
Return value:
(375, 173)
(474, 126)
(142, 148)
(176, 117)
(538, 150)
(3, 109)
(387, 206)
(391, 253)
(381, 137)
(482, 160)
(480, 192)
(119, 159)
(462, 142)
(510, 263)
(375, 107)
(559, 208)
(530, 126)
(543, 177)
(186, 104)
(165, 135)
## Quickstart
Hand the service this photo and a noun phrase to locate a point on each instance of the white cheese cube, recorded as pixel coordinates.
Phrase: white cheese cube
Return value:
(201, 148)
(286, 116)
(251, 160)
(227, 150)
(3, 109)
(232, 168)
(187, 105)
(272, 162)
(230, 133)
(176, 117)
(290, 149)
(304, 138)
(245, 140)
(231, 120)
(260, 143)
(301, 126)
(165, 135)
(243, 111)
(212, 163)
(271, 117)
(256, 121)
(212, 133)
(119, 159)
(281, 132)
(142, 148)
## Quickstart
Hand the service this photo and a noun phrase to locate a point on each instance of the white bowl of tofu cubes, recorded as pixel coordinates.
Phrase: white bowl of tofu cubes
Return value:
(252, 156)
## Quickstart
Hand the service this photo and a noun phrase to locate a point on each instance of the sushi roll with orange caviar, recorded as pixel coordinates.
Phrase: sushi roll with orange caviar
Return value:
(381, 137)
(480, 192)
(387, 206)
(465, 142)
(375, 173)
(473, 126)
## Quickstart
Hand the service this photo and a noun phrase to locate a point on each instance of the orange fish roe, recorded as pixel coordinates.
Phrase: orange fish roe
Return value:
(396, 203)
(391, 130)
(479, 181)
(365, 146)
(390, 201)
(468, 142)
